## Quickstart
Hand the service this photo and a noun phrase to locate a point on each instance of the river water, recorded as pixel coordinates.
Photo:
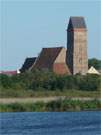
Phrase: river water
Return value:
(51, 123)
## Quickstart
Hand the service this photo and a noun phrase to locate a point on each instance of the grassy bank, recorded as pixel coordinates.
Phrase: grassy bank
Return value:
(11, 93)
(59, 105)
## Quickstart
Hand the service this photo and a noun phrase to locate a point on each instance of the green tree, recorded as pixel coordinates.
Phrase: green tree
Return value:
(95, 63)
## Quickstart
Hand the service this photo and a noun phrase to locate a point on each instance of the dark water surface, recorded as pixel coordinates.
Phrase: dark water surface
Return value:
(51, 123)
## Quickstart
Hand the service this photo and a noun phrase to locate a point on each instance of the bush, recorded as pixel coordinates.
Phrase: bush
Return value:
(45, 80)
(5, 81)
(90, 82)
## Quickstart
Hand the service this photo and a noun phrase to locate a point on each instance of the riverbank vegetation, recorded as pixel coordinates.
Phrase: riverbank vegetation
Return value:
(45, 83)
(11, 93)
(59, 105)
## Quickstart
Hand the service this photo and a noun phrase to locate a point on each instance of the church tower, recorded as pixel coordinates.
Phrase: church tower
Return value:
(77, 58)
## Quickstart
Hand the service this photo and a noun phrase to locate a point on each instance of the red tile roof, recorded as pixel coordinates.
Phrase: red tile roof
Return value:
(8, 72)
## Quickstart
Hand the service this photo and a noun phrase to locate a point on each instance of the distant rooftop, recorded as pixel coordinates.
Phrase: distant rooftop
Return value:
(9, 73)
(28, 63)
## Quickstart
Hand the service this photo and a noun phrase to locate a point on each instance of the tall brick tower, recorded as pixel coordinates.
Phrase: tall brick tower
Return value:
(77, 59)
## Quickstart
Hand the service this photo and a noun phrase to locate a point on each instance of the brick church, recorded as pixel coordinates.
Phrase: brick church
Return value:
(60, 60)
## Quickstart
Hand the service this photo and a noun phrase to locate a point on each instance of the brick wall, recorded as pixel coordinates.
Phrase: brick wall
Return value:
(60, 68)
(80, 59)
(77, 58)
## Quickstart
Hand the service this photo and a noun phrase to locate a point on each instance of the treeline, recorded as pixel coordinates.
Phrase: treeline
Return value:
(45, 80)
(95, 63)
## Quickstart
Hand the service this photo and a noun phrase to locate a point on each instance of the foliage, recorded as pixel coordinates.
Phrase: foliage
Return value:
(45, 80)
(11, 93)
(5, 81)
(95, 63)
(59, 105)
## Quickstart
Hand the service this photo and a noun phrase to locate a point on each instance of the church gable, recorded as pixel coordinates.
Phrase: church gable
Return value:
(61, 58)
(53, 59)
(47, 58)
(60, 66)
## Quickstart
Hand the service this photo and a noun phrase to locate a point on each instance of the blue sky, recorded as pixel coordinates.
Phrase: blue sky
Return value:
(28, 25)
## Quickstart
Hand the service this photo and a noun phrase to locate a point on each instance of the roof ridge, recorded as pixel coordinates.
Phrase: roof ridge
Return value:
(76, 16)
(52, 47)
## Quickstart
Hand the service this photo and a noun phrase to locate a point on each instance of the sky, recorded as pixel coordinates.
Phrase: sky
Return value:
(26, 26)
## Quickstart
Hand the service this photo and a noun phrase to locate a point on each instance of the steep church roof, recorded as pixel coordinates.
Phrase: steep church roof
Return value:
(47, 57)
(76, 22)
(28, 63)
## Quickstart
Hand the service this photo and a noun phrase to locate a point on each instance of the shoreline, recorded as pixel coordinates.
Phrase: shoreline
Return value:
(60, 105)
(44, 99)
(57, 111)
